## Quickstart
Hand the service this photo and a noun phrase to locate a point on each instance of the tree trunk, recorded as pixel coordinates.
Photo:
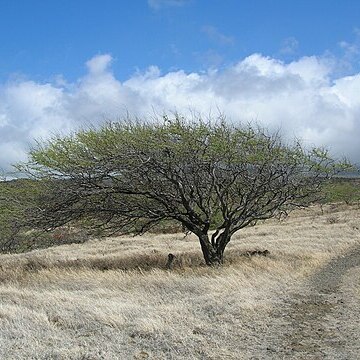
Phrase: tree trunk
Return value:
(210, 253)
(214, 253)
(221, 243)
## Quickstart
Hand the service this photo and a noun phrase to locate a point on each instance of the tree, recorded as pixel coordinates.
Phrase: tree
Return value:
(15, 198)
(213, 177)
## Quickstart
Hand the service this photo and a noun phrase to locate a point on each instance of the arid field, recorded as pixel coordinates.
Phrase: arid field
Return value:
(114, 298)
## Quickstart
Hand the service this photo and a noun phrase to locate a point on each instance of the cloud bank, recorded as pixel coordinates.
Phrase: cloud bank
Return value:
(300, 98)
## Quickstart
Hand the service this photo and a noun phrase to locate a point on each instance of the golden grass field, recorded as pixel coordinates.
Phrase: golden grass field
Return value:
(114, 299)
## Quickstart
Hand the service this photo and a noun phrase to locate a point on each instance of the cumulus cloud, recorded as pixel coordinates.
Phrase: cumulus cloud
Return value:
(301, 98)
(99, 64)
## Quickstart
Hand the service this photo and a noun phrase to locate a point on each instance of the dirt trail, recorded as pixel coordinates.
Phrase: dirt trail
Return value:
(318, 321)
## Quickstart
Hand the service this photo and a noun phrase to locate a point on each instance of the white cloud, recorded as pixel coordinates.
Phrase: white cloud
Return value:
(99, 64)
(300, 98)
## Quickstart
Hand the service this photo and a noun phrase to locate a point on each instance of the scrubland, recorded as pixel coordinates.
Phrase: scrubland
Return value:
(114, 299)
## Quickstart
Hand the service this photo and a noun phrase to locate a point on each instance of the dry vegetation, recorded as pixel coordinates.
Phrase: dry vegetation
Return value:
(113, 299)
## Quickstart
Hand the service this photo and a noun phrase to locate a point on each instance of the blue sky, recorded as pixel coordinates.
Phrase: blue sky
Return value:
(292, 65)
(42, 38)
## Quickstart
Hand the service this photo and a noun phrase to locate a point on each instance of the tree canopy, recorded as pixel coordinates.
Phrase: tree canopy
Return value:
(212, 176)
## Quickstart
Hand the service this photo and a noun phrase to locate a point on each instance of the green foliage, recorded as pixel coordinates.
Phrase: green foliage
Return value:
(15, 197)
(132, 176)
(342, 190)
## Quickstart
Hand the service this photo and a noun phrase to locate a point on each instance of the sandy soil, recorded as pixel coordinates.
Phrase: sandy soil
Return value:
(323, 322)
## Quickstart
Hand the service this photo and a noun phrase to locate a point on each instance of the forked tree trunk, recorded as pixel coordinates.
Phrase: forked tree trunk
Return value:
(222, 242)
(213, 255)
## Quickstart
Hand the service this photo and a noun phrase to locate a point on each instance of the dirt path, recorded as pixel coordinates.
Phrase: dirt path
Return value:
(324, 323)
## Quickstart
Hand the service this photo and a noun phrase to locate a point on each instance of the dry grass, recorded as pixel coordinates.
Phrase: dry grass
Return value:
(113, 299)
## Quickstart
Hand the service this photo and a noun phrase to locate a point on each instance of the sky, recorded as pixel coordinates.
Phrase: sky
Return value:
(290, 65)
